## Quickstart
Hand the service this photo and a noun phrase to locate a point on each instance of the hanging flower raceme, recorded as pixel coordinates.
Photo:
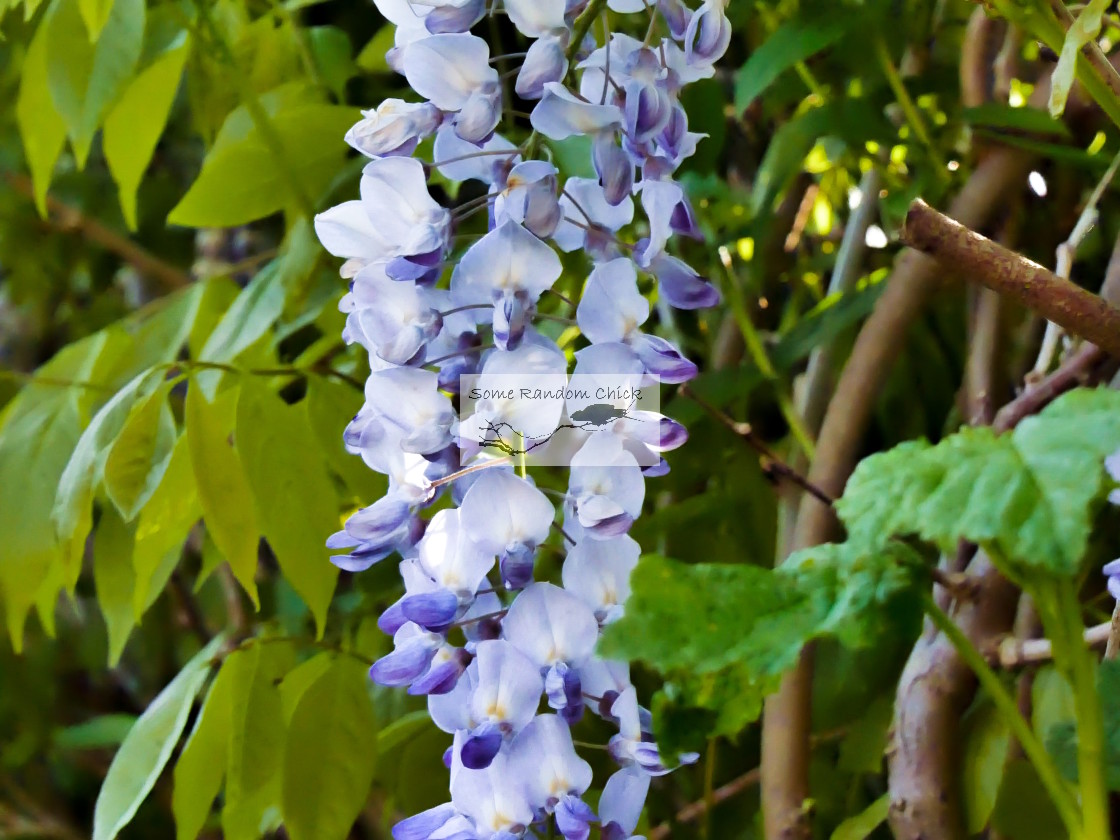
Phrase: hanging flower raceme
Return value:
(508, 660)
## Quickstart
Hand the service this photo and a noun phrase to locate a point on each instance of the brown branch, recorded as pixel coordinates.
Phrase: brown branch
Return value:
(70, 219)
(785, 739)
(981, 260)
(771, 462)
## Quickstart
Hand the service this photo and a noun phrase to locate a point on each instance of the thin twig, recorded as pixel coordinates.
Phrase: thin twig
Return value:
(1012, 652)
(71, 219)
(772, 464)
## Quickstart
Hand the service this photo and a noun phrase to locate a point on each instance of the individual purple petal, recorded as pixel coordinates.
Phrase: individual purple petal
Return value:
(708, 34)
(448, 69)
(411, 658)
(508, 259)
(606, 485)
(562, 687)
(545, 62)
(662, 359)
(598, 573)
(1114, 587)
(480, 114)
(458, 160)
(613, 166)
(573, 817)
(584, 202)
(424, 824)
(457, 16)
(530, 198)
(550, 625)
(493, 798)
(441, 677)
(534, 18)
(676, 14)
(431, 610)
(682, 287)
(611, 308)
(480, 747)
(1112, 567)
(502, 511)
(545, 761)
(560, 114)
(624, 796)
(508, 686)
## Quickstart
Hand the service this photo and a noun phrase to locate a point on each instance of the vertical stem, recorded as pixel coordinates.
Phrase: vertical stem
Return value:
(909, 109)
(1009, 710)
(709, 789)
(1081, 667)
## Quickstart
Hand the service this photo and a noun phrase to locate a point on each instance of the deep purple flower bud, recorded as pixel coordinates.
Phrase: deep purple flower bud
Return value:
(574, 817)
(613, 166)
(516, 566)
(662, 359)
(377, 531)
(431, 610)
(708, 34)
(546, 61)
(676, 15)
(442, 677)
(680, 285)
(411, 658)
(452, 17)
(562, 685)
(423, 269)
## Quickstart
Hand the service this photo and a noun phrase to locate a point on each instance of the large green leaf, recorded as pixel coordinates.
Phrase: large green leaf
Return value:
(137, 458)
(42, 128)
(202, 764)
(1061, 739)
(256, 737)
(87, 78)
(114, 579)
(330, 755)
(1027, 495)
(986, 739)
(136, 122)
(793, 41)
(164, 524)
(149, 744)
(223, 489)
(241, 182)
(330, 405)
(38, 431)
(294, 497)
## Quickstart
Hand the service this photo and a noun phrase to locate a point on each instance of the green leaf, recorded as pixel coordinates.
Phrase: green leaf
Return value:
(164, 524)
(256, 737)
(242, 181)
(992, 115)
(202, 764)
(96, 14)
(330, 755)
(391, 738)
(986, 738)
(136, 460)
(863, 747)
(863, 824)
(332, 51)
(86, 79)
(38, 431)
(261, 303)
(72, 512)
(705, 617)
(294, 497)
(134, 126)
(372, 57)
(96, 733)
(1061, 738)
(330, 405)
(41, 127)
(1084, 29)
(1027, 495)
(223, 489)
(300, 679)
(149, 744)
(793, 41)
(114, 579)
(1024, 809)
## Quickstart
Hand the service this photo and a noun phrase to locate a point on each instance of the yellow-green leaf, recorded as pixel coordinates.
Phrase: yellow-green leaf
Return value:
(293, 494)
(148, 746)
(136, 122)
(114, 579)
(223, 490)
(42, 128)
(136, 460)
(331, 752)
(96, 14)
(202, 764)
(243, 181)
(86, 79)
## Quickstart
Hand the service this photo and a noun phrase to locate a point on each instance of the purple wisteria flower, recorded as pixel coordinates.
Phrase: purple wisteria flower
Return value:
(505, 656)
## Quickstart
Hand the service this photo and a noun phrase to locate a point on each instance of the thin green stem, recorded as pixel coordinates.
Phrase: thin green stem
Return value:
(909, 108)
(1009, 709)
(1080, 664)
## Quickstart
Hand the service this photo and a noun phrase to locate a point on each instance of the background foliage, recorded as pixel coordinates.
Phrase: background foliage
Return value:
(177, 637)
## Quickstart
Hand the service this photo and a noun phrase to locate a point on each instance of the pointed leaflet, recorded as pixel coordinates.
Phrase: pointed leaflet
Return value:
(793, 41)
(114, 580)
(330, 406)
(164, 524)
(137, 458)
(223, 490)
(256, 736)
(201, 766)
(330, 754)
(148, 746)
(1027, 495)
(136, 122)
(243, 181)
(293, 494)
(86, 79)
(42, 129)
(39, 429)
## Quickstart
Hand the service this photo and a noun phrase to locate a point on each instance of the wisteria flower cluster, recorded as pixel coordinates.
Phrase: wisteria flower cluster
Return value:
(488, 643)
